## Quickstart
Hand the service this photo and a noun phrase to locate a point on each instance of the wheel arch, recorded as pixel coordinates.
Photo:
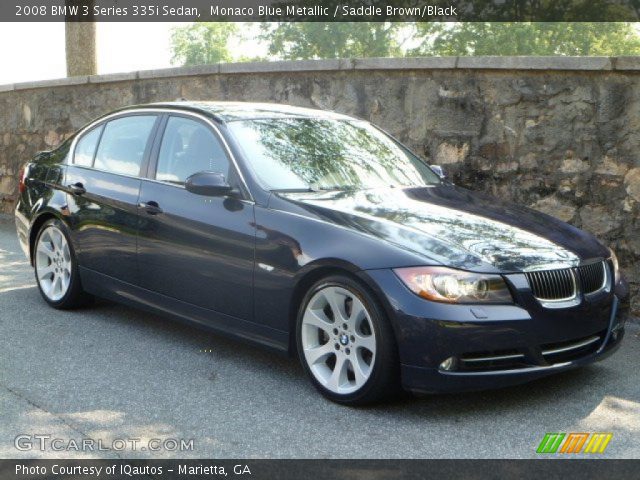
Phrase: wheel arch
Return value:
(324, 269)
(36, 225)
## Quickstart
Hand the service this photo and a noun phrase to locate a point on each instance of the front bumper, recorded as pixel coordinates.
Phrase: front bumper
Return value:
(497, 345)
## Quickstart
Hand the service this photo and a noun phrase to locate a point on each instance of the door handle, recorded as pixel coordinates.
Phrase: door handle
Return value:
(77, 189)
(151, 207)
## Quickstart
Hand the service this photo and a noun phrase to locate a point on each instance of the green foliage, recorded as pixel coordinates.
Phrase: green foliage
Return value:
(547, 10)
(300, 40)
(527, 38)
(202, 43)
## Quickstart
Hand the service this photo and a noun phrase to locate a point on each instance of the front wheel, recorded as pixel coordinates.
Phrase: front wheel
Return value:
(346, 344)
(56, 268)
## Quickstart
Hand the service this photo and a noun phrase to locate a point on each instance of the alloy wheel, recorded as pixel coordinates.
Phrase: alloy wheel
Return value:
(53, 263)
(338, 340)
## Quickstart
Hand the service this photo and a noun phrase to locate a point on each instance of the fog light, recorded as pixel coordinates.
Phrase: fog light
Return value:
(449, 364)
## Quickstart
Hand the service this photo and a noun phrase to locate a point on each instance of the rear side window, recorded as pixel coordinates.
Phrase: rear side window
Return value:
(188, 147)
(123, 144)
(86, 147)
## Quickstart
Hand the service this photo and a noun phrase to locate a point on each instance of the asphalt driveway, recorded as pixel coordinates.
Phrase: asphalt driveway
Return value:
(113, 373)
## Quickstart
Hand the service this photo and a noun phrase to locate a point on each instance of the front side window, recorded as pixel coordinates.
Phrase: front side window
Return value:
(327, 154)
(86, 147)
(189, 146)
(123, 144)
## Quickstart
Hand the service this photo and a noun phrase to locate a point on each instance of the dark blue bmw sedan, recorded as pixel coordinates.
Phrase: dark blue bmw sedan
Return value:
(319, 235)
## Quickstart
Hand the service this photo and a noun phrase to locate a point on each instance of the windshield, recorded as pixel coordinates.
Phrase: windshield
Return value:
(325, 154)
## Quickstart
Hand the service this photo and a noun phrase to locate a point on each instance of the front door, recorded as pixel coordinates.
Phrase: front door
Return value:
(196, 249)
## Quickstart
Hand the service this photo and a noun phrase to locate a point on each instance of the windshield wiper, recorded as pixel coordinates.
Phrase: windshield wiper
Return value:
(336, 188)
(315, 188)
(294, 190)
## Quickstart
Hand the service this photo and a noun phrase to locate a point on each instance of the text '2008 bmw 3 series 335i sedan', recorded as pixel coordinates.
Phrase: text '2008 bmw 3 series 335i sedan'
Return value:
(321, 236)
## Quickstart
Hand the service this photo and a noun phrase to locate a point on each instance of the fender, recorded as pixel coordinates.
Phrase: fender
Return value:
(51, 202)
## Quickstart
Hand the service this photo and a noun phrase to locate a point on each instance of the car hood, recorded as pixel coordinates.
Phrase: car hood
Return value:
(450, 225)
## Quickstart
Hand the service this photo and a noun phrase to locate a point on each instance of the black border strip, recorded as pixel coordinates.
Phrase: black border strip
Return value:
(319, 10)
(325, 469)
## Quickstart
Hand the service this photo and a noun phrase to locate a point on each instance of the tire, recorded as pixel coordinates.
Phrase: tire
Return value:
(351, 357)
(56, 268)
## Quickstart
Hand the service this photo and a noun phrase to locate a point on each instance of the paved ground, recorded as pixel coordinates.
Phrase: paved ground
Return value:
(111, 372)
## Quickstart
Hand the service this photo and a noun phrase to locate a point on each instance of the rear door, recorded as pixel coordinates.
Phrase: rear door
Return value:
(103, 181)
(196, 249)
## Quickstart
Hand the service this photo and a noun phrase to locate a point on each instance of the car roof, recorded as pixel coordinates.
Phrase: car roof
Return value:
(230, 111)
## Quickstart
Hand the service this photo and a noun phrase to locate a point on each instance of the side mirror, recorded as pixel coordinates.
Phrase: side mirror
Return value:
(437, 169)
(210, 184)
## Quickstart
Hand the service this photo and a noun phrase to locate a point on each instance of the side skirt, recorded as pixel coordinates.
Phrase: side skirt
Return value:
(118, 291)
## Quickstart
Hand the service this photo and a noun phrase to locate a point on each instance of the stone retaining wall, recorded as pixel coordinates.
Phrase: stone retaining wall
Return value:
(560, 134)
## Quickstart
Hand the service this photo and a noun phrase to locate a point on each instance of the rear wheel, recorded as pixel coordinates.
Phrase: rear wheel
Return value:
(346, 344)
(56, 268)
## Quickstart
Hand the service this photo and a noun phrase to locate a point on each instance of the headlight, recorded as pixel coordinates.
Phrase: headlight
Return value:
(442, 284)
(616, 269)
